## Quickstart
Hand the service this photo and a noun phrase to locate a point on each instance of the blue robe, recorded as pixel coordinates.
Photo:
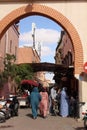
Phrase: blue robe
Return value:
(35, 99)
(64, 107)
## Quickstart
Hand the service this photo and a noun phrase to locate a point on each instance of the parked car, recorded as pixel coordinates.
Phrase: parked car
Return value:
(23, 100)
(26, 87)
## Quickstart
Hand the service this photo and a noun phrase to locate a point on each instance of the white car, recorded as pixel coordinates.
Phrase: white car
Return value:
(23, 101)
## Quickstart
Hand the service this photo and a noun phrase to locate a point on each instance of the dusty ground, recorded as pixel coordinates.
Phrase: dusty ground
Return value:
(25, 122)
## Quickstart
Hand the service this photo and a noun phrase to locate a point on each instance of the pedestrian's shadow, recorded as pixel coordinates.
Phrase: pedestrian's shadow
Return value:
(29, 115)
(80, 128)
(40, 116)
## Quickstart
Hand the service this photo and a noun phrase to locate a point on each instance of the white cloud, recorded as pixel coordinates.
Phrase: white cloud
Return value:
(50, 77)
(48, 38)
(25, 39)
(46, 51)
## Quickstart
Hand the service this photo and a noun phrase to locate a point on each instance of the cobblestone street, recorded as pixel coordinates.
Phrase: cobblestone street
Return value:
(25, 122)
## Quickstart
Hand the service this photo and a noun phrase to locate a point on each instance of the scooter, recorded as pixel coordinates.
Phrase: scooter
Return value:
(4, 110)
(85, 119)
(14, 105)
(2, 116)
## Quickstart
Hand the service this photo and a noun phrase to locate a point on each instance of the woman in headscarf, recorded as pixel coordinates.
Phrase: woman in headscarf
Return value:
(44, 103)
(35, 99)
(64, 107)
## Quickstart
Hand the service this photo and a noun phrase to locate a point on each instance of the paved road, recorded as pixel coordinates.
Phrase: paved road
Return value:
(25, 122)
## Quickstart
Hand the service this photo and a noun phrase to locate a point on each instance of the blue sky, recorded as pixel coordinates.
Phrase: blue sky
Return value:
(47, 33)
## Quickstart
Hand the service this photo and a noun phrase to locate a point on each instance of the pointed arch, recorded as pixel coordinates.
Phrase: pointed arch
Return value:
(36, 9)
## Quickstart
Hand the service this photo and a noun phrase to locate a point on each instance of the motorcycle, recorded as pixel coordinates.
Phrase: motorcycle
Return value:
(85, 119)
(8, 108)
(2, 115)
(14, 105)
(4, 110)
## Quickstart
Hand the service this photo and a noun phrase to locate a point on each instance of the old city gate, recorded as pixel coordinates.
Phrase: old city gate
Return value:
(69, 14)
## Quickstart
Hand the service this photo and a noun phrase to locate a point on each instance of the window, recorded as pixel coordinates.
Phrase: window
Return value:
(10, 46)
(70, 58)
(15, 51)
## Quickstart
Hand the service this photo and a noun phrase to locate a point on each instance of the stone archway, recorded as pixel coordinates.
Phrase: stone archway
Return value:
(36, 9)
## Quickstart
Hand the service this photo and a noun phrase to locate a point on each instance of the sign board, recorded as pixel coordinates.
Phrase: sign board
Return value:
(85, 67)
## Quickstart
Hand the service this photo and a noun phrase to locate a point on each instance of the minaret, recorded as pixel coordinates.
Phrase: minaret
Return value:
(33, 34)
(39, 49)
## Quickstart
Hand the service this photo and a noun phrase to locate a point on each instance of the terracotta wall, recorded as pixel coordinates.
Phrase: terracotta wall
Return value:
(9, 44)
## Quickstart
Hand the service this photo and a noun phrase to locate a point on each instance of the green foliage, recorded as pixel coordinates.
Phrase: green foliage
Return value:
(17, 72)
(9, 66)
(3, 80)
(24, 71)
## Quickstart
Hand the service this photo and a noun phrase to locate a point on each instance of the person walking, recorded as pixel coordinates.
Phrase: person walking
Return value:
(35, 99)
(58, 99)
(53, 95)
(64, 106)
(44, 103)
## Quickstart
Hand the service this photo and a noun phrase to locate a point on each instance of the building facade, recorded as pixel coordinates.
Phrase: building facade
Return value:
(27, 55)
(64, 54)
(64, 51)
(9, 44)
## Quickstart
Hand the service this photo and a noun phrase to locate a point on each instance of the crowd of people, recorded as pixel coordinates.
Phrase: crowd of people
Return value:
(45, 102)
